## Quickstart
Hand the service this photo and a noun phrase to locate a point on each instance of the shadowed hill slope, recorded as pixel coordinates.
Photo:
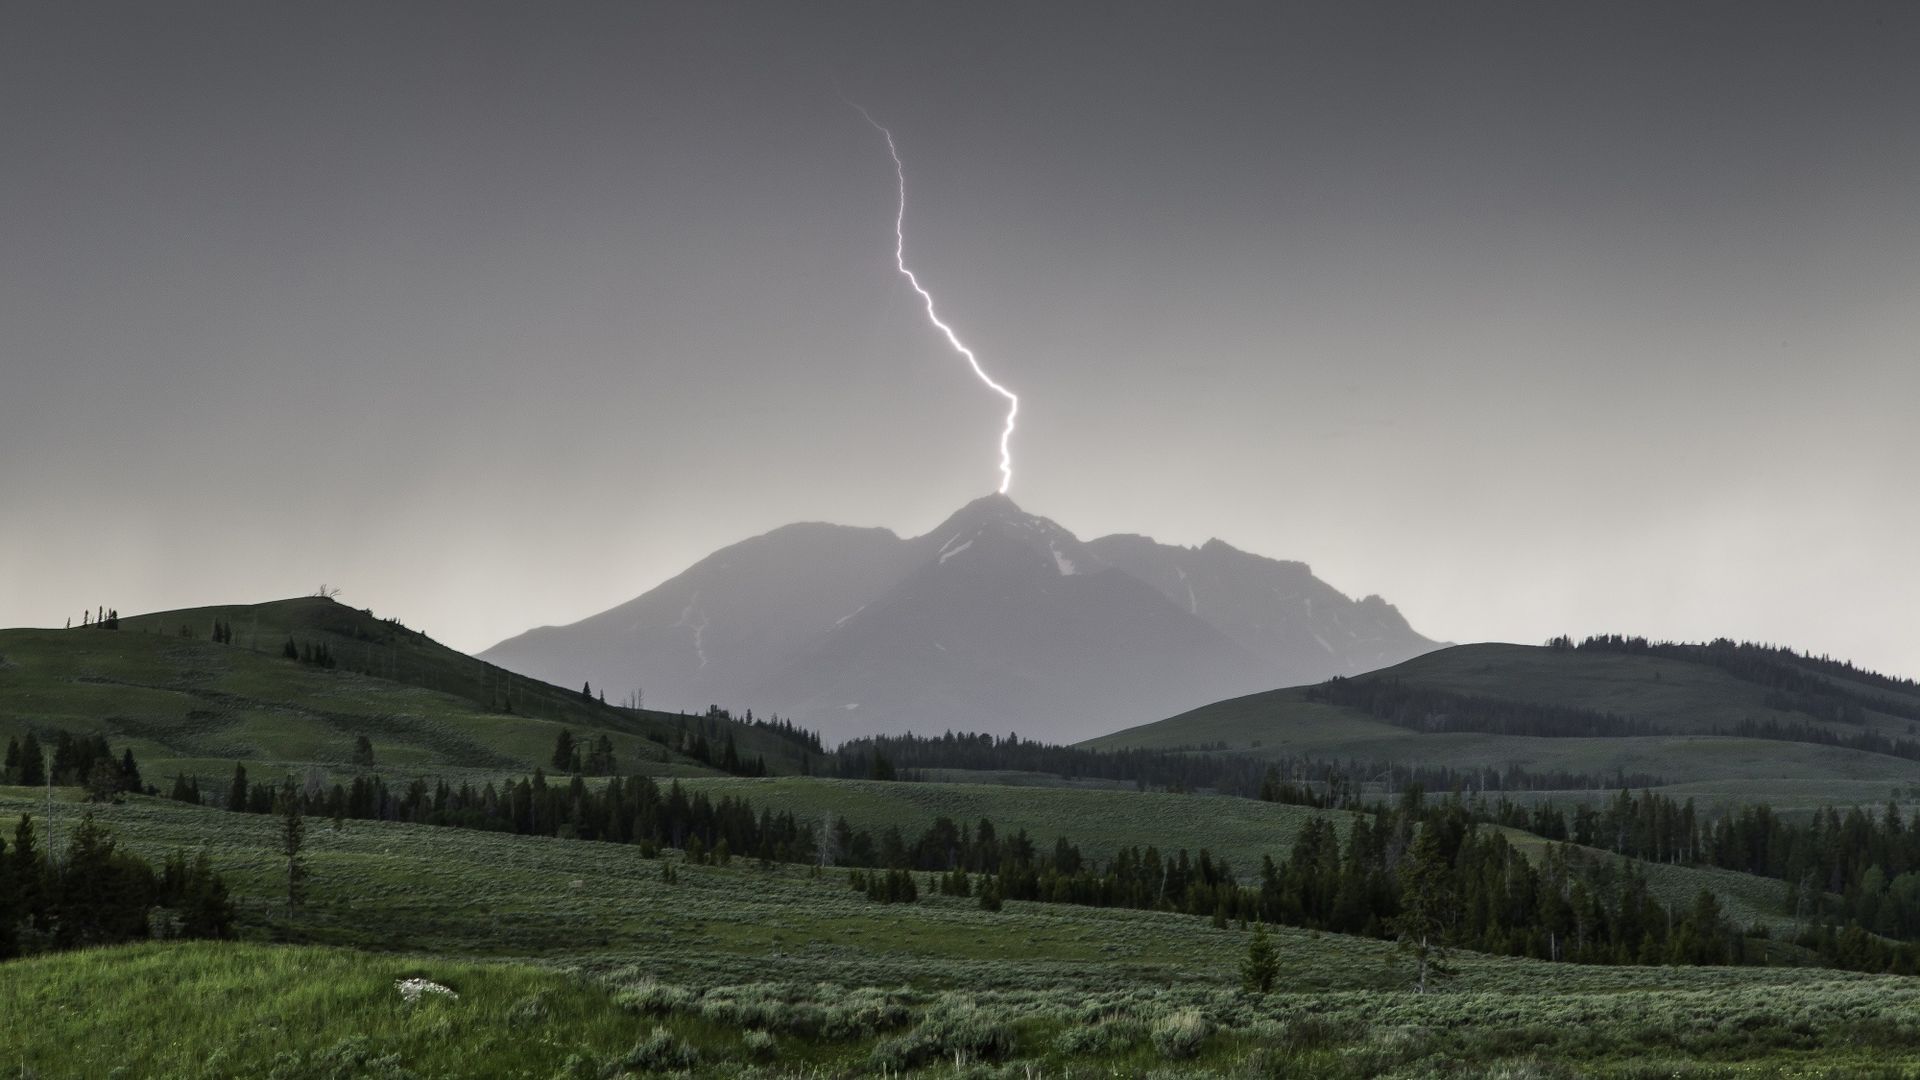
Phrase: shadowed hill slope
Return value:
(1686, 714)
(185, 702)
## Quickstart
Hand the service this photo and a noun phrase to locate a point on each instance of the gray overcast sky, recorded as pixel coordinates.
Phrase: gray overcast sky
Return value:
(1530, 317)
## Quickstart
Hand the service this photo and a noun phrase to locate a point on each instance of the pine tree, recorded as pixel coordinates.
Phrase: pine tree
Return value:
(563, 751)
(65, 753)
(103, 782)
(363, 751)
(29, 870)
(33, 762)
(1425, 904)
(9, 907)
(205, 911)
(237, 791)
(1262, 965)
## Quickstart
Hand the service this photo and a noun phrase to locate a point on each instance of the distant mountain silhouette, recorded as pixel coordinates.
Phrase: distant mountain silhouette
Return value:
(997, 620)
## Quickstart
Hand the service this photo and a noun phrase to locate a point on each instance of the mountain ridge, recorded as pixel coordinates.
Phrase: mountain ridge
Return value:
(995, 619)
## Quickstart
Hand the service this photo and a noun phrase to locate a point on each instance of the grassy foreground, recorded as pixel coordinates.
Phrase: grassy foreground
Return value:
(218, 1009)
(209, 1010)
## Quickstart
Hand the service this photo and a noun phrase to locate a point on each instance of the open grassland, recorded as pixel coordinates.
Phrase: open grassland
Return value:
(220, 1010)
(455, 892)
(578, 959)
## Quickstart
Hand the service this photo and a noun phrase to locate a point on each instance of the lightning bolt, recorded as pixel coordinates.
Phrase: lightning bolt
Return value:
(900, 260)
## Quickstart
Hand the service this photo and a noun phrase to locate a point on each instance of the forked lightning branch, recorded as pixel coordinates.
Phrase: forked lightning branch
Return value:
(900, 260)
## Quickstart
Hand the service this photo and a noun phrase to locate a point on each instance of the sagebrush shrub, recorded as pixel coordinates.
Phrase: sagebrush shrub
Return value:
(659, 1052)
(1179, 1035)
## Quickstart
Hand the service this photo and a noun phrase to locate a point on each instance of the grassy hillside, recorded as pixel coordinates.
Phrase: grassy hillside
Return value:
(1682, 702)
(837, 984)
(187, 704)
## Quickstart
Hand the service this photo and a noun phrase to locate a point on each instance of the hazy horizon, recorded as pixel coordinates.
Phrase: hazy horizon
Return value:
(1529, 321)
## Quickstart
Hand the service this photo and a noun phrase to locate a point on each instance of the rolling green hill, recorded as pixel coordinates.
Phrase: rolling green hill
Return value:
(186, 703)
(1685, 712)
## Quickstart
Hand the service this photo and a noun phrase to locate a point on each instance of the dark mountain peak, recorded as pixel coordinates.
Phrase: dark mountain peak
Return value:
(986, 510)
(996, 523)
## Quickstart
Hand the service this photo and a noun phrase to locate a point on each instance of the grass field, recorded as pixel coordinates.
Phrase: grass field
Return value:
(569, 956)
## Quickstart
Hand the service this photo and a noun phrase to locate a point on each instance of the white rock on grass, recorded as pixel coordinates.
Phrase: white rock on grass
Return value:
(411, 990)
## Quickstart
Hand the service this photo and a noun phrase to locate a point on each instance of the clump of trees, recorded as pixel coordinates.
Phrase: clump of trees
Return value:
(596, 759)
(886, 887)
(98, 894)
(308, 652)
(76, 761)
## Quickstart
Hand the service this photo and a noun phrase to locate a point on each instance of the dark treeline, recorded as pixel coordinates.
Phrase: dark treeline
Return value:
(98, 894)
(307, 652)
(1426, 709)
(77, 760)
(1800, 681)
(804, 740)
(1873, 742)
(1317, 782)
(1439, 873)
(710, 741)
(98, 619)
(1850, 867)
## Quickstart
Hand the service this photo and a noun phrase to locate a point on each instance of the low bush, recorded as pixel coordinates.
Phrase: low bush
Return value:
(660, 1052)
(1179, 1035)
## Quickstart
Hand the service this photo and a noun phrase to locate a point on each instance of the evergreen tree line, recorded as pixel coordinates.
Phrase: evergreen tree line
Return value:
(99, 894)
(1439, 875)
(307, 652)
(103, 618)
(806, 743)
(1873, 742)
(77, 760)
(596, 760)
(1309, 781)
(1427, 709)
(1847, 868)
(695, 744)
(1799, 678)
